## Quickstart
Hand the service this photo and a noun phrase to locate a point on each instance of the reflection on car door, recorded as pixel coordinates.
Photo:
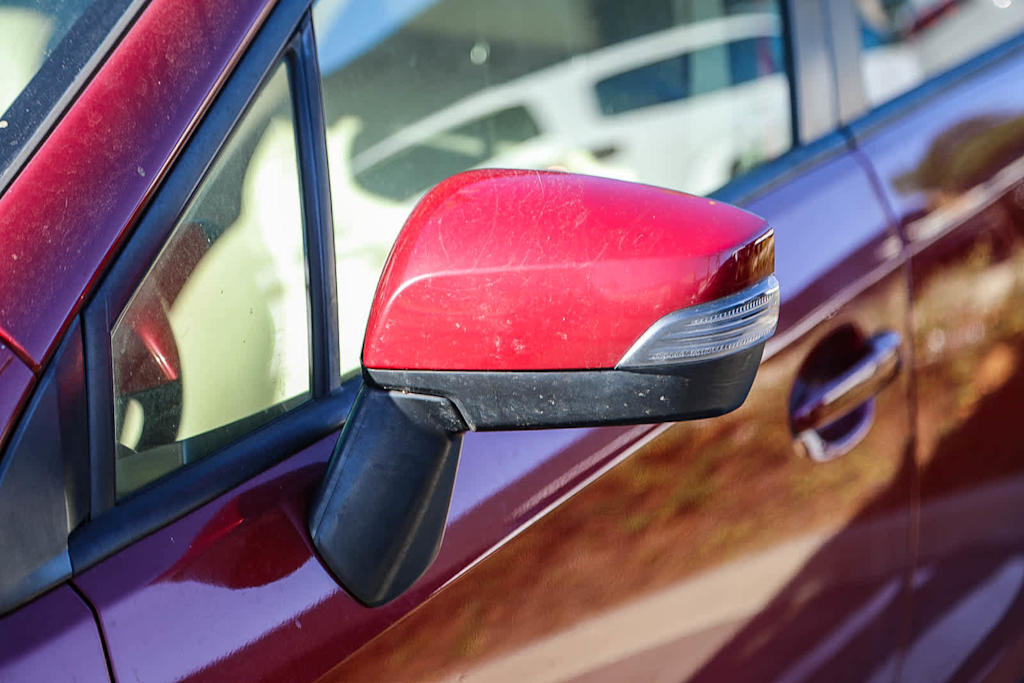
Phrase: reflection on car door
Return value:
(952, 165)
(715, 552)
(711, 550)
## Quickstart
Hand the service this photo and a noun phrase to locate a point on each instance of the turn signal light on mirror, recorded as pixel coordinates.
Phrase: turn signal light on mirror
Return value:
(708, 331)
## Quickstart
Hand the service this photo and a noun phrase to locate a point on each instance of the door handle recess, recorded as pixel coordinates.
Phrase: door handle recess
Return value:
(846, 393)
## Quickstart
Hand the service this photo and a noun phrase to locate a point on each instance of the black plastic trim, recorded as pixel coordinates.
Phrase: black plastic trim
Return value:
(812, 78)
(789, 58)
(844, 40)
(151, 233)
(326, 351)
(491, 401)
(286, 35)
(379, 516)
(773, 174)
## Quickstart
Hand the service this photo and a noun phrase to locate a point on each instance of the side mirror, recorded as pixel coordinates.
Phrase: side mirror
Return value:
(528, 300)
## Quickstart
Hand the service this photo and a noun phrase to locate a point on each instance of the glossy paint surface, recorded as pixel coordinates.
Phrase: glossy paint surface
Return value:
(241, 592)
(533, 270)
(715, 552)
(54, 638)
(953, 170)
(69, 207)
(708, 549)
(15, 381)
(703, 551)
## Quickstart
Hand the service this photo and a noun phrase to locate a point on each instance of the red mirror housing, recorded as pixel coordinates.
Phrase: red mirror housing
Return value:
(502, 270)
(542, 299)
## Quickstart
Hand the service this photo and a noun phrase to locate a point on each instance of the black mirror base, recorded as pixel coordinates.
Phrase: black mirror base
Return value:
(490, 401)
(379, 516)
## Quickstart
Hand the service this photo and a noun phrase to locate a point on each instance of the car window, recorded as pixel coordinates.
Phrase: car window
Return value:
(694, 73)
(417, 90)
(45, 47)
(400, 171)
(905, 42)
(215, 340)
(29, 32)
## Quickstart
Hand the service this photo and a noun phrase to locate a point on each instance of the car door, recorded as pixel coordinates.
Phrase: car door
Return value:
(948, 154)
(782, 565)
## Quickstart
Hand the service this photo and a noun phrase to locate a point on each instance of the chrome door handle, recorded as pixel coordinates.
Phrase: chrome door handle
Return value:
(850, 390)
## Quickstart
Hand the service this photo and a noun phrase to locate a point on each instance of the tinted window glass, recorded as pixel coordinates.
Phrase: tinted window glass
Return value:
(402, 171)
(665, 81)
(215, 340)
(907, 41)
(702, 71)
(45, 45)
(417, 90)
(753, 58)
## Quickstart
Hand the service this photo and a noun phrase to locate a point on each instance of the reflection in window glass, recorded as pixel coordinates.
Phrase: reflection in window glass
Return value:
(28, 34)
(658, 83)
(400, 171)
(699, 72)
(215, 340)
(905, 42)
(683, 94)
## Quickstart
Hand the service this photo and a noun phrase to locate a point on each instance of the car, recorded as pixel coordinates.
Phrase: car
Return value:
(573, 426)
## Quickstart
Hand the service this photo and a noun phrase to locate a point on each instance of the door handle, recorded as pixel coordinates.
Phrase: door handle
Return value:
(843, 395)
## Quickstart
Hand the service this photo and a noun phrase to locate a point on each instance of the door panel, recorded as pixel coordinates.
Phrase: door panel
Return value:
(953, 169)
(715, 552)
(216, 581)
(242, 596)
(53, 638)
(714, 537)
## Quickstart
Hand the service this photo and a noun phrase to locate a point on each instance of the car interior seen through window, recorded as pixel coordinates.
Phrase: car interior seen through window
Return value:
(623, 90)
(215, 340)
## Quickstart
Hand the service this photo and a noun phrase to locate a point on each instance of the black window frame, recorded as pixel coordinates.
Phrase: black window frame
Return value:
(286, 37)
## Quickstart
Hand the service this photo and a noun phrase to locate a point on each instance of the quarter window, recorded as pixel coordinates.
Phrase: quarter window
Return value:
(215, 340)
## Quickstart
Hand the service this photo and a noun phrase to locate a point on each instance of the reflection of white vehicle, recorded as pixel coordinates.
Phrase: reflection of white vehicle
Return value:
(692, 90)
(686, 107)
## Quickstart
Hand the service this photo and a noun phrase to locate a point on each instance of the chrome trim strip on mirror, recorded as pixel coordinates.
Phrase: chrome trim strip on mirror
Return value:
(707, 331)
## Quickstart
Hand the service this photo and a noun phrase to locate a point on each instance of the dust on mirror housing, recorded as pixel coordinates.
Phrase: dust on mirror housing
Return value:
(532, 300)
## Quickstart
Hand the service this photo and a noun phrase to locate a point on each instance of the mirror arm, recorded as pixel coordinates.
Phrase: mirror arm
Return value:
(379, 516)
